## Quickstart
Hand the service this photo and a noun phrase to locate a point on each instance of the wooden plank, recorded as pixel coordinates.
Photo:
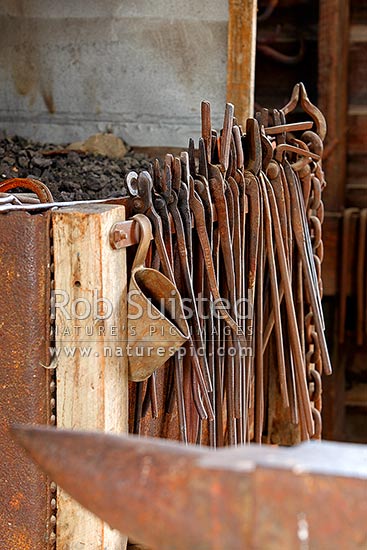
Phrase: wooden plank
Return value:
(358, 74)
(357, 195)
(241, 57)
(333, 387)
(91, 385)
(357, 133)
(356, 396)
(330, 264)
(332, 85)
(358, 33)
(356, 191)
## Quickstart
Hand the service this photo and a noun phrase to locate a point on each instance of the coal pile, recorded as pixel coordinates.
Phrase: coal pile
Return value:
(70, 175)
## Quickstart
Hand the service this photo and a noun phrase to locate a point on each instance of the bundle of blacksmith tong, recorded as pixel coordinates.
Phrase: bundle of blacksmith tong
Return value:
(237, 228)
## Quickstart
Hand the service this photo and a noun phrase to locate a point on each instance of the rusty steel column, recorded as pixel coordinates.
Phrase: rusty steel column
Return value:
(25, 393)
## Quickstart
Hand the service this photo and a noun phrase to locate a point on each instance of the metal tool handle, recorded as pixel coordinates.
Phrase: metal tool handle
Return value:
(39, 188)
(144, 243)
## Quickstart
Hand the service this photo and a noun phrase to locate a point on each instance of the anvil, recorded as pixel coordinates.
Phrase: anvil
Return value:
(175, 497)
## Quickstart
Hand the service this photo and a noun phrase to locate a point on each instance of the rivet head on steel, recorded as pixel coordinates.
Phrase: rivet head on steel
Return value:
(138, 204)
(117, 237)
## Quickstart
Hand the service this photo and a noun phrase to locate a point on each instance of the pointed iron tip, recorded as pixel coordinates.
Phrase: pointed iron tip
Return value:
(230, 107)
(29, 435)
(115, 477)
(303, 90)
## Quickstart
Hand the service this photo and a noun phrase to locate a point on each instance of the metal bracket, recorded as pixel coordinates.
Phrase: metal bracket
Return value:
(124, 234)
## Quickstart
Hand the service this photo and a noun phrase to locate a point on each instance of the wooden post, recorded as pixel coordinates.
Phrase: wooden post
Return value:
(241, 57)
(333, 47)
(332, 92)
(91, 379)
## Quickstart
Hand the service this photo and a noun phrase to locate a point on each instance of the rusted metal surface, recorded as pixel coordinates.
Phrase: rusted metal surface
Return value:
(281, 57)
(161, 333)
(242, 223)
(13, 204)
(124, 234)
(292, 127)
(26, 521)
(308, 496)
(40, 189)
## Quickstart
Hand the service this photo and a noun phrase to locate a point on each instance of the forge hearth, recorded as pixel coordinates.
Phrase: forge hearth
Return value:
(70, 175)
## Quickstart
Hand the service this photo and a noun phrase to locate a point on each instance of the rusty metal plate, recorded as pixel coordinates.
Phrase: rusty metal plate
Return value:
(24, 382)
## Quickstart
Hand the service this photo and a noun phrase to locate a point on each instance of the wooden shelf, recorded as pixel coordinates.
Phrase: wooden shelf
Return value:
(357, 396)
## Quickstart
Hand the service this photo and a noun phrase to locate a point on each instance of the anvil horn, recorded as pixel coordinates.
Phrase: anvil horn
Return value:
(172, 497)
(140, 486)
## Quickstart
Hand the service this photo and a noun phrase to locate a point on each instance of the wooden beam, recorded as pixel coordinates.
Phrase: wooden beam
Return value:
(333, 47)
(241, 57)
(333, 89)
(358, 33)
(357, 73)
(91, 388)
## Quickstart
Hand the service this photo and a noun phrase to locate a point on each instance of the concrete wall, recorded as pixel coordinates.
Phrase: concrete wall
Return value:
(70, 68)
